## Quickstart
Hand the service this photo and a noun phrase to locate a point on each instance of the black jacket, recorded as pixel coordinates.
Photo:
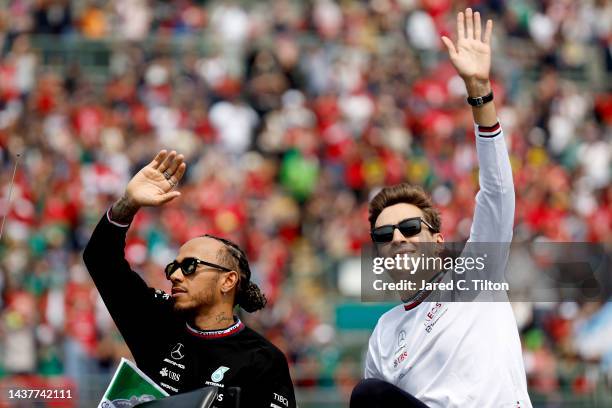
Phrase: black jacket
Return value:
(175, 355)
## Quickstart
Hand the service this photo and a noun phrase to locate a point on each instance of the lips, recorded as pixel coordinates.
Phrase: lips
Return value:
(404, 251)
(177, 290)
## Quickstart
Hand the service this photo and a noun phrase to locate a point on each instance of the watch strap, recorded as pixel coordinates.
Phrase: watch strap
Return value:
(480, 100)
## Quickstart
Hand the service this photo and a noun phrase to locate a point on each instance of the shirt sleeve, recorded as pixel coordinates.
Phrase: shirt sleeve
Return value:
(372, 369)
(491, 231)
(276, 381)
(494, 214)
(137, 309)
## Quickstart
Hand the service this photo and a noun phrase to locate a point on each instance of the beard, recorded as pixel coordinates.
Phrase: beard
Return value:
(188, 304)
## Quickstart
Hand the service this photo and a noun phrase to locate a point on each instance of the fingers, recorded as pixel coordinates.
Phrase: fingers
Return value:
(158, 159)
(469, 27)
(469, 22)
(179, 173)
(449, 45)
(477, 27)
(460, 26)
(177, 176)
(175, 170)
(175, 164)
(167, 161)
(488, 31)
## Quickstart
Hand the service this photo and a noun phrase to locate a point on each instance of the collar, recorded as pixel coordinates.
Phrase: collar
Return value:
(421, 295)
(216, 334)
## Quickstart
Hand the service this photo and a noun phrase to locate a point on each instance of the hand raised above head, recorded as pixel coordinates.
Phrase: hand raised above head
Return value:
(471, 54)
(153, 184)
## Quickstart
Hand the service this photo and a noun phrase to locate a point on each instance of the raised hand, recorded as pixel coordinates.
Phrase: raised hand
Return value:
(471, 55)
(153, 184)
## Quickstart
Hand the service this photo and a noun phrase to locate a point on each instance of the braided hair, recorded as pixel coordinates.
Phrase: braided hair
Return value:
(248, 295)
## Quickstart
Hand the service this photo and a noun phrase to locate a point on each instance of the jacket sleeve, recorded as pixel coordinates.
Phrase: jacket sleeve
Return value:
(138, 310)
(494, 213)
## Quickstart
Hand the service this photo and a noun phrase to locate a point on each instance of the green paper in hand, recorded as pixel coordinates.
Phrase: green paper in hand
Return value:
(130, 387)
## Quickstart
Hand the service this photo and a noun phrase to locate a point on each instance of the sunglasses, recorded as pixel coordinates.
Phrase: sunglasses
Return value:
(408, 227)
(189, 266)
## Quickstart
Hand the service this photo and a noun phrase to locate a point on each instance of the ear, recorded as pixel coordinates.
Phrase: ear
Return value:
(438, 238)
(229, 281)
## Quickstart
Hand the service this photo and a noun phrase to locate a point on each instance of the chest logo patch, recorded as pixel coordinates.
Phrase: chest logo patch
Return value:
(217, 376)
(401, 339)
(177, 352)
(432, 317)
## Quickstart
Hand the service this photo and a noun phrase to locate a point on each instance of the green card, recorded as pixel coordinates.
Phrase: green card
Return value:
(130, 387)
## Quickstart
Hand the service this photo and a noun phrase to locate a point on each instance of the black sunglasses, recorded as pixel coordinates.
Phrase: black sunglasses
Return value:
(189, 266)
(408, 227)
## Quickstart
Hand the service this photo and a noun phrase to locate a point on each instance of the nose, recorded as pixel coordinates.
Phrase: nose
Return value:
(398, 237)
(177, 276)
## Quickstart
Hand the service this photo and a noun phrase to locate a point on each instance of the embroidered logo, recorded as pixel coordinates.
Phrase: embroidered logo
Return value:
(401, 339)
(217, 376)
(177, 352)
(432, 317)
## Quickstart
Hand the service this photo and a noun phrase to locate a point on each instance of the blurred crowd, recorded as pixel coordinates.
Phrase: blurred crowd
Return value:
(293, 117)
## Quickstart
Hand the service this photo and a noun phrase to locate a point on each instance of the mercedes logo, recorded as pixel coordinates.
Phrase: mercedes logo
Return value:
(177, 352)
(401, 339)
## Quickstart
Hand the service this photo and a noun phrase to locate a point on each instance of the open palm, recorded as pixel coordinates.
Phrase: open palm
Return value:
(471, 56)
(153, 184)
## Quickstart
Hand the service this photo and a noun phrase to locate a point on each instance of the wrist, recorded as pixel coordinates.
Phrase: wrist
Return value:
(477, 87)
(124, 210)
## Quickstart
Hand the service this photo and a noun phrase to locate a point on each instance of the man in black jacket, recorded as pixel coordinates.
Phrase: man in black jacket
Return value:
(189, 339)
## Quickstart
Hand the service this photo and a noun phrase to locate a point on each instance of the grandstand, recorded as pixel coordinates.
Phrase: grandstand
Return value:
(290, 114)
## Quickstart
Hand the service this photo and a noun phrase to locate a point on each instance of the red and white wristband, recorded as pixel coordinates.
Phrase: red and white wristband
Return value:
(489, 131)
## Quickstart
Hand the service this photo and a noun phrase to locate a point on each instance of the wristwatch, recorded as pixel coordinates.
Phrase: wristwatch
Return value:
(480, 100)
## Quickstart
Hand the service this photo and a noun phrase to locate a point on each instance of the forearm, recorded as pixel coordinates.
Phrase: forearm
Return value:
(494, 212)
(125, 293)
(104, 254)
(484, 115)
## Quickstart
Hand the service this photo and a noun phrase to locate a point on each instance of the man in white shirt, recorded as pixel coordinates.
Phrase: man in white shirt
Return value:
(429, 352)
